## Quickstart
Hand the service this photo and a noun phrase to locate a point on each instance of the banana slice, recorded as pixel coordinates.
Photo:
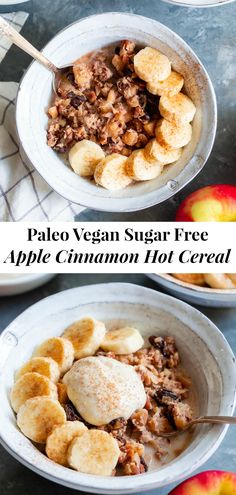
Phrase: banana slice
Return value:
(171, 86)
(122, 341)
(191, 278)
(232, 277)
(37, 417)
(178, 109)
(59, 440)
(172, 135)
(84, 157)
(152, 65)
(59, 349)
(95, 452)
(219, 281)
(31, 385)
(154, 151)
(86, 336)
(43, 365)
(111, 172)
(139, 168)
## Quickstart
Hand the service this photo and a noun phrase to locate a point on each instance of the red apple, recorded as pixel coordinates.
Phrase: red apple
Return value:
(216, 203)
(208, 483)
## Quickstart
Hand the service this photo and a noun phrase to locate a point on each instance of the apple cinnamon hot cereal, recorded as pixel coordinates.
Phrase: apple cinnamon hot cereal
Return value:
(99, 401)
(120, 115)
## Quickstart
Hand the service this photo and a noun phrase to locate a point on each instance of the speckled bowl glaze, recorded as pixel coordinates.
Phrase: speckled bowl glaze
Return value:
(204, 353)
(82, 37)
(204, 296)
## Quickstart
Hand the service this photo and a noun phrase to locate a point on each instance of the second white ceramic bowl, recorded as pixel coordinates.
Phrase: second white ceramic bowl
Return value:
(204, 352)
(204, 296)
(89, 34)
(199, 3)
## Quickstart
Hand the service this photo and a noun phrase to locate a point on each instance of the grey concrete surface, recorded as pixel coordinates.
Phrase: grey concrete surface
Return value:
(15, 479)
(210, 32)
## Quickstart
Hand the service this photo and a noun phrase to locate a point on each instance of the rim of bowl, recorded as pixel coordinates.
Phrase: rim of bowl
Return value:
(23, 278)
(117, 292)
(167, 190)
(12, 2)
(207, 4)
(196, 288)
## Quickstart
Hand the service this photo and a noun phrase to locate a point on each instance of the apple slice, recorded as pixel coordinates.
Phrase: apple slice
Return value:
(216, 203)
(208, 483)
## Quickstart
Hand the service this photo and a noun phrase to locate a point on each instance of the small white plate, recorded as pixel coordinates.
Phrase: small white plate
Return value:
(11, 285)
(205, 354)
(12, 2)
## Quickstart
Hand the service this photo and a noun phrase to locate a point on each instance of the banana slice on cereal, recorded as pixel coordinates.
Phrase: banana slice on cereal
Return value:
(191, 278)
(171, 86)
(232, 277)
(59, 440)
(139, 168)
(219, 281)
(178, 108)
(154, 151)
(38, 416)
(111, 172)
(59, 349)
(152, 65)
(84, 157)
(86, 336)
(43, 365)
(94, 452)
(31, 385)
(172, 135)
(122, 340)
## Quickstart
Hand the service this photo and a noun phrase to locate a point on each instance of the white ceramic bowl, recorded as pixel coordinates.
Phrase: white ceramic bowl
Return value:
(203, 350)
(11, 285)
(199, 3)
(82, 37)
(203, 296)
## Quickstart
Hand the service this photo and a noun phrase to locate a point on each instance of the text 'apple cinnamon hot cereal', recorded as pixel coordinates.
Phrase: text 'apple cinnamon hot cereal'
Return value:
(120, 115)
(98, 401)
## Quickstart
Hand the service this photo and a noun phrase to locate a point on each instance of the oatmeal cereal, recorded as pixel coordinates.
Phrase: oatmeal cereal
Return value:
(108, 411)
(110, 103)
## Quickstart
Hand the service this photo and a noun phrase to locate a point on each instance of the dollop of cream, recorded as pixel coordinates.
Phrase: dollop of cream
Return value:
(103, 389)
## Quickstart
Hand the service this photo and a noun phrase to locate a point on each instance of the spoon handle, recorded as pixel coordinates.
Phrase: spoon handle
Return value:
(17, 39)
(215, 420)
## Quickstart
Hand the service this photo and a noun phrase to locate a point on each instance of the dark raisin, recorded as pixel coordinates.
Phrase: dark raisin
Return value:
(70, 77)
(169, 416)
(127, 71)
(71, 413)
(77, 100)
(157, 342)
(164, 392)
(143, 462)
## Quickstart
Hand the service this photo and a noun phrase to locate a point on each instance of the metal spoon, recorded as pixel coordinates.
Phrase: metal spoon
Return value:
(201, 419)
(21, 42)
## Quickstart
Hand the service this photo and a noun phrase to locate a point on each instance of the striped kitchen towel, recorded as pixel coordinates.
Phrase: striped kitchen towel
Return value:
(24, 195)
